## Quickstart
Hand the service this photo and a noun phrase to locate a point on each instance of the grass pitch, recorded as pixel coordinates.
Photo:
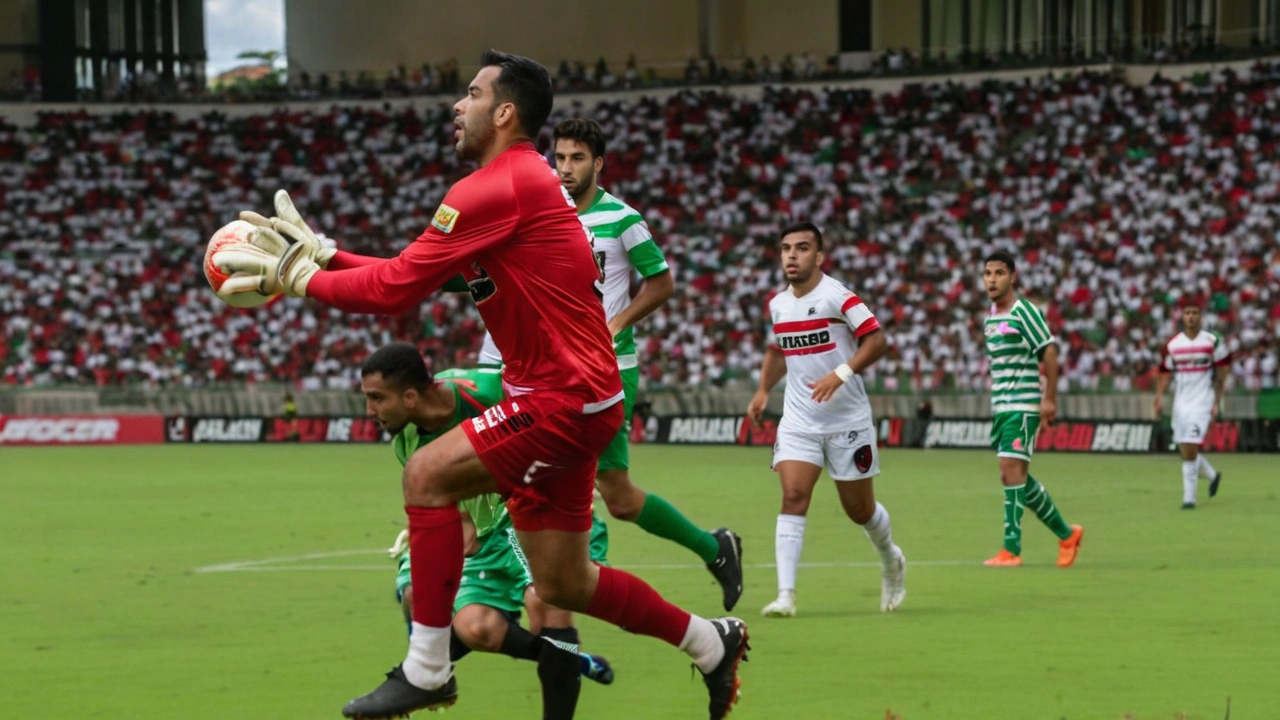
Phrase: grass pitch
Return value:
(248, 582)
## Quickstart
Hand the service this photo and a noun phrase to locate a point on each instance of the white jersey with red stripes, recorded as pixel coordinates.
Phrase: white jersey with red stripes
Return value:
(1192, 360)
(816, 332)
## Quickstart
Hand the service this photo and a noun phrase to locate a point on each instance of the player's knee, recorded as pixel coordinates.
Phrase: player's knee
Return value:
(859, 511)
(624, 500)
(420, 490)
(480, 630)
(795, 502)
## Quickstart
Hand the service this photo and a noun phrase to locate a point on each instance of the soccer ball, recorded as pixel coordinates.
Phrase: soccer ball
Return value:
(233, 233)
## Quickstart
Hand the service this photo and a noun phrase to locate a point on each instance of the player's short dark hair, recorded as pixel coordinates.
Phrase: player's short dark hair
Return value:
(583, 130)
(803, 227)
(1003, 257)
(525, 83)
(401, 367)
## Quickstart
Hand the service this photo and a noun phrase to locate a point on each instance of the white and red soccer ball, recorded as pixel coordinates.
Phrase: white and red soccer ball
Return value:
(233, 233)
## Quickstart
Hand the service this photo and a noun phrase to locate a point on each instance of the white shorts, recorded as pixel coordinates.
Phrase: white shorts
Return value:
(1191, 425)
(848, 455)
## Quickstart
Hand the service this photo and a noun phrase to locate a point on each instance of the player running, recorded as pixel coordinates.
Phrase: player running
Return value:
(401, 393)
(1197, 361)
(511, 230)
(822, 336)
(623, 246)
(1018, 339)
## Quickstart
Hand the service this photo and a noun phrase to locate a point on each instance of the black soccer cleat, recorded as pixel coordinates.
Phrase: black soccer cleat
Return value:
(723, 682)
(597, 669)
(397, 697)
(1213, 486)
(727, 567)
(1188, 506)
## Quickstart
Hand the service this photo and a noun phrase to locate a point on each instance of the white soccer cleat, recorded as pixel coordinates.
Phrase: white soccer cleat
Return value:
(784, 606)
(893, 582)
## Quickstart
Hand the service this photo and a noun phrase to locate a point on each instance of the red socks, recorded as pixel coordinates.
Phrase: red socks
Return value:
(628, 602)
(435, 551)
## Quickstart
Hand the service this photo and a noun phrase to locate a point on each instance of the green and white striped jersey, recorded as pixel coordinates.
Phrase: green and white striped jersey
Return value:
(622, 243)
(1016, 341)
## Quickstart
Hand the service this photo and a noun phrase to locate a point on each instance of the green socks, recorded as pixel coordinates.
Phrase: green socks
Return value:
(659, 517)
(1015, 499)
(1037, 498)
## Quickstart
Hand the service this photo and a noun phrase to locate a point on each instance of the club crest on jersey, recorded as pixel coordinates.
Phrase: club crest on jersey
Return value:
(446, 217)
(813, 311)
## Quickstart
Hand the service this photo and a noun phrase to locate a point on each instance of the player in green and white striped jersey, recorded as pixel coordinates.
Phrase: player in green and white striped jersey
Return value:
(1018, 339)
(624, 246)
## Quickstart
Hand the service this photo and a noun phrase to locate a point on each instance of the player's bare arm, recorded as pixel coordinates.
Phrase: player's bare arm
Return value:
(1162, 386)
(654, 291)
(1219, 387)
(772, 370)
(871, 347)
(1049, 402)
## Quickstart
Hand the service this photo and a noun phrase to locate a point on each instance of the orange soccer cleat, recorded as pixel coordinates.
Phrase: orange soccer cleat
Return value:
(1004, 558)
(1068, 548)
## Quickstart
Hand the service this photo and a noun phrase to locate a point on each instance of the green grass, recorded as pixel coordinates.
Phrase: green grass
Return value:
(1166, 614)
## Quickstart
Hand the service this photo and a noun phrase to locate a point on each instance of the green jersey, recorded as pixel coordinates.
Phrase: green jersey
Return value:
(622, 244)
(1016, 340)
(474, 391)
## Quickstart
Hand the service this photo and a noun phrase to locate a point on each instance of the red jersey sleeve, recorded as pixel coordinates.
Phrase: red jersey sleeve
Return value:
(477, 214)
(344, 260)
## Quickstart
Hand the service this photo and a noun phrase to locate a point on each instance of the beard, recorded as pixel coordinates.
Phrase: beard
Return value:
(580, 185)
(476, 138)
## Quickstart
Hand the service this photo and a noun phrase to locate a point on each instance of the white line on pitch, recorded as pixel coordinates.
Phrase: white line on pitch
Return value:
(285, 564)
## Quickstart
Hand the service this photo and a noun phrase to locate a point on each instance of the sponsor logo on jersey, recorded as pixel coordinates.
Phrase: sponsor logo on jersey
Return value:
(497, 417)
(446, 217)
(798, 341)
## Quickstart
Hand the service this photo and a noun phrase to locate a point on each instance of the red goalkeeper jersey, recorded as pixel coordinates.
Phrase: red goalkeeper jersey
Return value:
(511, 229)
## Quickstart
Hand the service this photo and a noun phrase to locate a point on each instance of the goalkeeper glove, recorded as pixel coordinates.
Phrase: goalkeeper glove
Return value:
(288, 273)
(269, 241)
(249, 267)
(287, 216)
(297, 265)
(400, 546)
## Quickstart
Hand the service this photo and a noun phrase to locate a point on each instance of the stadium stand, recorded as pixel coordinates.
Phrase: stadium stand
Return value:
(1123, 201)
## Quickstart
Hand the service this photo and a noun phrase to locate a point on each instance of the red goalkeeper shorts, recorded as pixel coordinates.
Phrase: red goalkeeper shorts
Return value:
(543, 449)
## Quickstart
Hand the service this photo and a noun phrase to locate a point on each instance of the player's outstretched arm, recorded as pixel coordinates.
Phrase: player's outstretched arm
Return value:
(771, 371)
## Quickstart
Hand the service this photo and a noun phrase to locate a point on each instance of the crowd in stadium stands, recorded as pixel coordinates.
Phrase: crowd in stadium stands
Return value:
(270, 84)
(1123, 202)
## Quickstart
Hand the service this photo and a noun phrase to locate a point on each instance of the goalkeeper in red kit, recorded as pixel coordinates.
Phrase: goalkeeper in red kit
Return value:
(511, 231)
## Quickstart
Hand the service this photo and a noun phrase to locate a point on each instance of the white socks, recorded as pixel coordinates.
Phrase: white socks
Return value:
(1206, 470)
(788, 542)
(880, 532)
(1190, 472)
(702, 643)
(427, 666)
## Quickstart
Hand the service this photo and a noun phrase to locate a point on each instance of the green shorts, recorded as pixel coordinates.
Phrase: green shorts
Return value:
(498, 574)
(618, 455)
(1013, 434)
